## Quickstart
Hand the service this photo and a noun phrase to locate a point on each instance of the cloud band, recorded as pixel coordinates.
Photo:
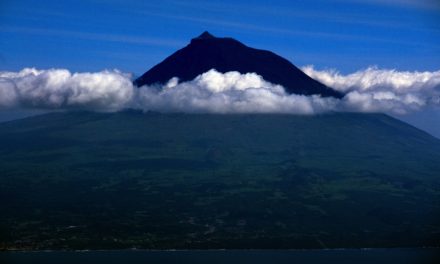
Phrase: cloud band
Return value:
(369, 90)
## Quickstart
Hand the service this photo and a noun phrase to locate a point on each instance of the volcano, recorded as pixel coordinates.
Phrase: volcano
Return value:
(207, 52)
(74, 180)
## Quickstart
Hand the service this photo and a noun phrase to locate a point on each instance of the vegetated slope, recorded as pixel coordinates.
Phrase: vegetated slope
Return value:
(83, 180)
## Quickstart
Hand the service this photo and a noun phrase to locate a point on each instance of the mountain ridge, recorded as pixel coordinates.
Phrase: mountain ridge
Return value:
(207, 52)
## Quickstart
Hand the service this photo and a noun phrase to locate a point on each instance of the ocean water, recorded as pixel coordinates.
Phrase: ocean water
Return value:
(339, 256)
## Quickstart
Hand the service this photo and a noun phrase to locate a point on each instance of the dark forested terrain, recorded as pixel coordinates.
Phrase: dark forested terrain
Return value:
(81, 180)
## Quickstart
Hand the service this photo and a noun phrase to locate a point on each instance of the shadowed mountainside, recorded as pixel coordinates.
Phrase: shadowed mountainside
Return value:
(83, 180)
(207, 52)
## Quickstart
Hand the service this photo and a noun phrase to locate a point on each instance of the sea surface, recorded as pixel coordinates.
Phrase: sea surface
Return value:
(339, 256)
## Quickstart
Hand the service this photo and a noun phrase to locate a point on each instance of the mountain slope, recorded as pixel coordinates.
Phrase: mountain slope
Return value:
(92, 180)
(226, 54)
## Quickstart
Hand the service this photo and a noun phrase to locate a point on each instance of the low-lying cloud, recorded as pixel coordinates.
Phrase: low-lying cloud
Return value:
(229, 92)
(370, 90)
(378, 90)
(59, 88)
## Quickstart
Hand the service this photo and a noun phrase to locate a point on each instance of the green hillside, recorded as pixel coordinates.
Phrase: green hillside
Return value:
(81, 180)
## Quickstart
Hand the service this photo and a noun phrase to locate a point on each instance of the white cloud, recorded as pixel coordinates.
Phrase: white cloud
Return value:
(370, 90)
(58, 88)
(376, 90)
(230, 92)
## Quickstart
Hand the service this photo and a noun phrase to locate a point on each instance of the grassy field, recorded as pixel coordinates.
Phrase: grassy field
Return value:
(81, 180)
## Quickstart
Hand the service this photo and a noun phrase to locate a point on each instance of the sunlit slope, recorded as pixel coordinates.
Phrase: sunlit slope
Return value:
(89, 180)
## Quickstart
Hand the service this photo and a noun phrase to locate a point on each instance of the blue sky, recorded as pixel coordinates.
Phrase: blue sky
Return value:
(134, 35)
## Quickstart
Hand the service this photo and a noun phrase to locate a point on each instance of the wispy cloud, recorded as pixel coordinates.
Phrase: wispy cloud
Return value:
(283, 31)
(342, 17)
(430, 5)
(130, 39)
